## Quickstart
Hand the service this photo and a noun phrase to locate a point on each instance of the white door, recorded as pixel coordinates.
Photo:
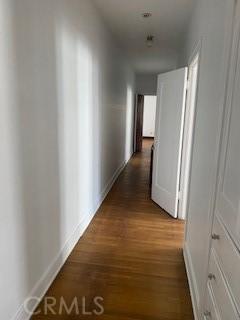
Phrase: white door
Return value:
(168, 139)
(228, 191)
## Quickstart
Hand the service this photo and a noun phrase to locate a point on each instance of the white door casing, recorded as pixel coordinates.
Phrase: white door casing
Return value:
(189, 122)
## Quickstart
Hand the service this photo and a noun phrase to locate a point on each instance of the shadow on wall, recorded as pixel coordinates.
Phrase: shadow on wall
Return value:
(73, 125)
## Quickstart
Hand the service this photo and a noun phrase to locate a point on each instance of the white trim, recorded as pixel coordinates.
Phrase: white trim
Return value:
(180, 150)
(197, 49)
(112, 181)
(41, 287)
(192, 282)
(47, 278)
(188, 134)
(108, 187)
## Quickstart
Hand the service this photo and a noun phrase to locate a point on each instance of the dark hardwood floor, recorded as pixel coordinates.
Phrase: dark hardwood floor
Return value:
(131, 255)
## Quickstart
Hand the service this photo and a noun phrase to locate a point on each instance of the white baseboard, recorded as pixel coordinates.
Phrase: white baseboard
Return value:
(47, 278)
(50, 274)
(191, 281)
(110, 183)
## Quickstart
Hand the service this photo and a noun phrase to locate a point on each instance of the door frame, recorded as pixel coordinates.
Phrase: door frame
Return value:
(188, 136)
(138, 122)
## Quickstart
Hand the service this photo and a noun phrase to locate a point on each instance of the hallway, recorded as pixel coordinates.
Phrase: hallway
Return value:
(131, 255)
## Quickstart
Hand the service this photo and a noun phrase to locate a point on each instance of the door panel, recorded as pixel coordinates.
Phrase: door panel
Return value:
(168, 139)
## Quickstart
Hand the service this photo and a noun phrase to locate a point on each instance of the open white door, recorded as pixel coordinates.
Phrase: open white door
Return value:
(168, 139)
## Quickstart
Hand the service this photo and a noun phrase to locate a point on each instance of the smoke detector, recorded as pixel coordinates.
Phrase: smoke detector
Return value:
(146, 15)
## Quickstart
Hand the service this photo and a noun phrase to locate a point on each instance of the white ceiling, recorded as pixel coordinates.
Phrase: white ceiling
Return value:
(168, 25)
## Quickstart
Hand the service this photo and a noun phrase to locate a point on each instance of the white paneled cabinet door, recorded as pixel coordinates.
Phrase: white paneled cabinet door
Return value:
(228, 192)
(168, 139)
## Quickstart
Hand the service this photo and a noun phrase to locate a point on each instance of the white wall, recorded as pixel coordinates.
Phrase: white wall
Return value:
(146, 84)
(66, 114)
(149, 115)
(211, 24)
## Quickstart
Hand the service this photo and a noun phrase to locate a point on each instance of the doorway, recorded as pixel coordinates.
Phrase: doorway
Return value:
(149, 116)
(145, 115)
(149, 122)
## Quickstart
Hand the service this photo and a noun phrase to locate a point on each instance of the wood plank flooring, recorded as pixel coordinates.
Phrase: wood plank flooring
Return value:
(131, 255)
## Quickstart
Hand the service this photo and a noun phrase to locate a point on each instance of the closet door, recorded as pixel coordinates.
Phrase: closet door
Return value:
(228, 193)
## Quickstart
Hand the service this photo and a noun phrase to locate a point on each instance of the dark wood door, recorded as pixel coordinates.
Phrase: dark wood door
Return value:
(139, 122)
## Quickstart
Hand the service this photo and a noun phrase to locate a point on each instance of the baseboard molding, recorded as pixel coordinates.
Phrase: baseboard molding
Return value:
(191, 281)
(110, 183)
(50, 274)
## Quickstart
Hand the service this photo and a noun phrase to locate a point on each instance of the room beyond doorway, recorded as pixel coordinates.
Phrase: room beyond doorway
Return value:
(145, 116)
(149, 116)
